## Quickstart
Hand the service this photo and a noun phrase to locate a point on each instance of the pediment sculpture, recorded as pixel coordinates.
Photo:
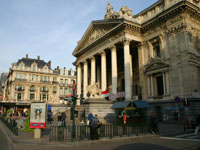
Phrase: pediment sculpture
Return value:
(155, 64)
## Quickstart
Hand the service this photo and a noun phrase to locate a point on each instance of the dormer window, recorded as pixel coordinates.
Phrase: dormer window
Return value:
(45, 69)
(21, 67)
(34, 68)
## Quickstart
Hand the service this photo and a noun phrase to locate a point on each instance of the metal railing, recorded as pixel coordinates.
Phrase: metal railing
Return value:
(11, 124)
(83, 132)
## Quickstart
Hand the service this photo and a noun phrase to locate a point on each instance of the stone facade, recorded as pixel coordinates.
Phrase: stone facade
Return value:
(33, 80)
(154, 55)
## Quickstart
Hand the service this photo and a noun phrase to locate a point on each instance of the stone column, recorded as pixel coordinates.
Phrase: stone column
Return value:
(150, 52)
(103, 71)
(93, 70)
(127, 73)
(85, 81)
(167, 83)
(79, 80)
(164, 83)
(151, 81)
(114, 69)
(149, 86)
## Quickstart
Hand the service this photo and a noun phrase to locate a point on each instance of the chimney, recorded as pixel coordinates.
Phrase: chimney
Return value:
(38, 57)
(49, 63)
(26, 56)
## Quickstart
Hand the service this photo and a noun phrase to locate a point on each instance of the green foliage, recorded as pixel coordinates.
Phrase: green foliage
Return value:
(27, 124)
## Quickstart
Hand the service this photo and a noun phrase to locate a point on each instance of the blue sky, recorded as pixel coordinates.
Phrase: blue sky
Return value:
(50, 28)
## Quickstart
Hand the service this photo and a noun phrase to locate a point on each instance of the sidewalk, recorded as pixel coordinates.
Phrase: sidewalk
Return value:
(28, 138)
(168, 129)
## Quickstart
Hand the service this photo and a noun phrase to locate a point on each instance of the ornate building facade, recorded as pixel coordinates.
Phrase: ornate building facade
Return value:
(33, 80)
(153, 56)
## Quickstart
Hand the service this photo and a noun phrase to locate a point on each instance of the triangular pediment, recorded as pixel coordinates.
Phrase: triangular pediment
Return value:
(155, 64)
(96, 30)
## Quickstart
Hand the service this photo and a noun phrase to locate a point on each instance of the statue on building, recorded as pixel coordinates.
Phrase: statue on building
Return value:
(94, 90)
(109, 11)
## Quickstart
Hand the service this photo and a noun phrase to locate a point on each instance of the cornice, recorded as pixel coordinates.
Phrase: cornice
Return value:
(178, 8)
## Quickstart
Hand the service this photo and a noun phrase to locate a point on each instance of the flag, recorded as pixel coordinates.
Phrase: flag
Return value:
(105, 93)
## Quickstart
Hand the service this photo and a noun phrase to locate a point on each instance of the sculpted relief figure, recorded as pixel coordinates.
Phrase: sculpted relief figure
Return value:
(94, 90)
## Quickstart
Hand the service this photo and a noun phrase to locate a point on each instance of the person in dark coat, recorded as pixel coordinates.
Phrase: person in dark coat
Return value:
(94, 127)
(63, 116)
(153, 123)
(197, 124)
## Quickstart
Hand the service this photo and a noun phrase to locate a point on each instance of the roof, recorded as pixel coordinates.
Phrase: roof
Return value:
(28, 62)
(121, 104)
(141, 104)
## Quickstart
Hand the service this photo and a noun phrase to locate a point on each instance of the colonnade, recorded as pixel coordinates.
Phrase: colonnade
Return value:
(82, 76)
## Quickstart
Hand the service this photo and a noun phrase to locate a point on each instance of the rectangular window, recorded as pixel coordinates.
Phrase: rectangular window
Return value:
(19, 96)
(54, 79)
(65, 91)
(156, 49)
(66, 81)
(159, 83)
(61, 91)
(32, 96)
(61, 81)
(54, 89)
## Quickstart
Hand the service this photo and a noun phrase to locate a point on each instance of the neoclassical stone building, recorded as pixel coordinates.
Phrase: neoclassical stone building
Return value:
(33, 80)
(153, 56)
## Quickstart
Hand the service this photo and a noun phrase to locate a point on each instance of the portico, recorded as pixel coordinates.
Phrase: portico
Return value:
(110, 69)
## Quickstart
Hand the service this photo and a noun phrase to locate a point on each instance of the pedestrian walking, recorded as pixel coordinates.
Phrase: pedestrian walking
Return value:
(94, 127)
(90, 116)
(63, 116)
(49, 118)
(197, 124)
(124, 118)
(153, 123)
(59, 119)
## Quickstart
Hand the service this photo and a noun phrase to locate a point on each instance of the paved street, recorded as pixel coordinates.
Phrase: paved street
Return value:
(5, 144)
(155, 143)
(179, 140)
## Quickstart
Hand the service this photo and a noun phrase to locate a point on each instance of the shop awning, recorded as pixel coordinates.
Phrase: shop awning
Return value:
(141, 104)
(122, 104)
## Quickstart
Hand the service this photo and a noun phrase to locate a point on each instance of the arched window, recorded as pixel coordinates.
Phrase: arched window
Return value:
(32, 88)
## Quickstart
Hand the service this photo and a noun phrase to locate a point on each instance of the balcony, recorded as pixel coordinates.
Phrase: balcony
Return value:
(19, 89)
(54, 82)
(44, 91)
(32, 90)
(42, 81)
(17, 79)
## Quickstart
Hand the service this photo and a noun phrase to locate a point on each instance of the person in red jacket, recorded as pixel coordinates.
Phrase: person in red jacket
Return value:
(124, 118)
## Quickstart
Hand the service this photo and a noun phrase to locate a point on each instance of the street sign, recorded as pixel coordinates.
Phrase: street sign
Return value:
(177, 99)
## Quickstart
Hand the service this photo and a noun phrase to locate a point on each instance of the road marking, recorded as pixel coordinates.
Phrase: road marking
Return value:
(183, 135)
(180, 139)
(195, 136)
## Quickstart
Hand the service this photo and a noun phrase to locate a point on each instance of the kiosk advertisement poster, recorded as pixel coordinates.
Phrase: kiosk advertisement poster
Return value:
(38, 115)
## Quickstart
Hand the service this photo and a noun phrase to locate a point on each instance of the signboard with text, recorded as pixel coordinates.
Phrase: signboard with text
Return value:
(38, 115)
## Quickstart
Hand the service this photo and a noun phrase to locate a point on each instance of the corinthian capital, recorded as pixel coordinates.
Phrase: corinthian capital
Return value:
(126, 41)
